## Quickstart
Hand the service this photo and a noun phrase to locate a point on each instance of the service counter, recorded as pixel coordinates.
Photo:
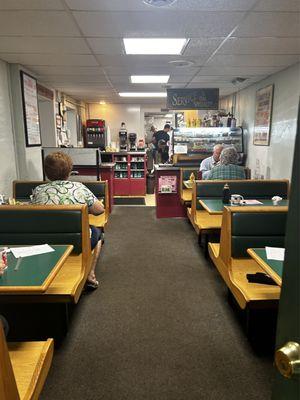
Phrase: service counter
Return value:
(167, 192)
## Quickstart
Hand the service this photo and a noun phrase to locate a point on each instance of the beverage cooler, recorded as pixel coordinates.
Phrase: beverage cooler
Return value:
(96, 133)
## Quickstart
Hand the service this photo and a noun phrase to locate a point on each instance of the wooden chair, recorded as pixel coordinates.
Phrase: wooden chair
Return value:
(24, 368)
(242, 228)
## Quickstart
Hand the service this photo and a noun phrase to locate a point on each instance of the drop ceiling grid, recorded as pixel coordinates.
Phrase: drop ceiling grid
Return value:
(52, 38)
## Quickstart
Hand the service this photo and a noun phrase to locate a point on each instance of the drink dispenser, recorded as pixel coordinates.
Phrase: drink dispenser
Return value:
(96, 133)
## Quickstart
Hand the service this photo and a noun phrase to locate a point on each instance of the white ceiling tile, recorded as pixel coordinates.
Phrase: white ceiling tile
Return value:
(279, 24)
(51, 23)
(211, 84)
(121, 87)
(83, 87)
(31, 5)
(134, 70)
(153, 24)
(278, 5)
(179, 78)
(119, 79)
(92, 78)
(237, 71)
(107, 46)
(62, 45)
(65, 70)
(263, 45)
(199, 46)
(141, 61)
(259, 60)
(212, 78)
(48, 59)
(134, 5)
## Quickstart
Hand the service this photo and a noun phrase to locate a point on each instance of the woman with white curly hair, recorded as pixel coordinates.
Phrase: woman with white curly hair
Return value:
(227, 169)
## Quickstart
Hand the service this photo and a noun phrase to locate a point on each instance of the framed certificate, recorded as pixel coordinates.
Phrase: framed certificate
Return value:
(263, 115)
(30, 110)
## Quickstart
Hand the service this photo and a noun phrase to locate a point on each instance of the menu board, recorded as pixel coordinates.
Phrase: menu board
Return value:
(193, 99)
(263, 112)
(30, 110)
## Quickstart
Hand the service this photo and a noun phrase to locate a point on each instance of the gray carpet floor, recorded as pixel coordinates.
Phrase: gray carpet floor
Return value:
(159, 327)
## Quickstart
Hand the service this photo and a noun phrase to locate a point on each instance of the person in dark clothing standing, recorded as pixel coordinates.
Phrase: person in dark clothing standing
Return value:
(160, 141)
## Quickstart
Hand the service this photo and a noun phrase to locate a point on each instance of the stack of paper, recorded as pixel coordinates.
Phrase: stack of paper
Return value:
(252, 202)
(31, 250)
(275, 253)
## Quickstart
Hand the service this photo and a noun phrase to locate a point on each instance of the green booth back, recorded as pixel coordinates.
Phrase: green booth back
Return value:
(22, 227)
(256, 230)
(23, 189)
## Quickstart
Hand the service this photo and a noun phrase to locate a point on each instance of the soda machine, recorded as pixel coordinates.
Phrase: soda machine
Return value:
(96, 133)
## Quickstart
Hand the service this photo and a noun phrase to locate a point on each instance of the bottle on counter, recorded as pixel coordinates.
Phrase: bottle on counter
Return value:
(226, 194)
(192, 177)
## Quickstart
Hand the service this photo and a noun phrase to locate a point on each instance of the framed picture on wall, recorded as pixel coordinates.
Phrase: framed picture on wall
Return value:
(263, 116)
(30, 110)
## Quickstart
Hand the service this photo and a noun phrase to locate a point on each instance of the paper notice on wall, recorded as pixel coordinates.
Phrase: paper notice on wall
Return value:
(275, 253)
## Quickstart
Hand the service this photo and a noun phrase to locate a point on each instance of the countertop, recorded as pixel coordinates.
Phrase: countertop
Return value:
(107, 165)
(167, 167)
(123, 153)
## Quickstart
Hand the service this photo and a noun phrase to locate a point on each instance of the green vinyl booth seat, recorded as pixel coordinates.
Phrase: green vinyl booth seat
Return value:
(23, 189)
(252, 230)
(249, 189)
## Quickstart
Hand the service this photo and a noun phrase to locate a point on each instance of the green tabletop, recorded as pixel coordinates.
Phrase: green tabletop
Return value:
(34, 273)
(273, 268)
(215, 206)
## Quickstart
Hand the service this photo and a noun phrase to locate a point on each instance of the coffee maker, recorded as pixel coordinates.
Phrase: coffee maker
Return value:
(123, 137)
(132, 141)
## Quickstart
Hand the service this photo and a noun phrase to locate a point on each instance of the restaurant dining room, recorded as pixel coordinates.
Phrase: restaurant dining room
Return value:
(149, 199)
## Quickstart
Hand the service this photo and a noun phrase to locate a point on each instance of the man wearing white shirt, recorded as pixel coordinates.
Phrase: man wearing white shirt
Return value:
(208, 163)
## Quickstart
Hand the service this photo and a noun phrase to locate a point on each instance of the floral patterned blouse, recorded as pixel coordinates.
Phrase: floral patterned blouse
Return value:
(63, 192)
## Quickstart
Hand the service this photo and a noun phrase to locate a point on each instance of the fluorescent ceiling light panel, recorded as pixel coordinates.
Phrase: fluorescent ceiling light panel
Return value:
(149, 78)
(154, 46)
(143, 94)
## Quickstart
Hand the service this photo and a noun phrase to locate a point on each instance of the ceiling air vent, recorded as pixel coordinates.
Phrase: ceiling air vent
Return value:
(159, 3)
(181, 63)
(238, 80)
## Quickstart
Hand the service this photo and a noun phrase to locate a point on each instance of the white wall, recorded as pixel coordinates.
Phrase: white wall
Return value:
(47, 123)
(8, 169)
(274, 161)
(29, 158)
(72, 126)
(131, 114)
(114, 114)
